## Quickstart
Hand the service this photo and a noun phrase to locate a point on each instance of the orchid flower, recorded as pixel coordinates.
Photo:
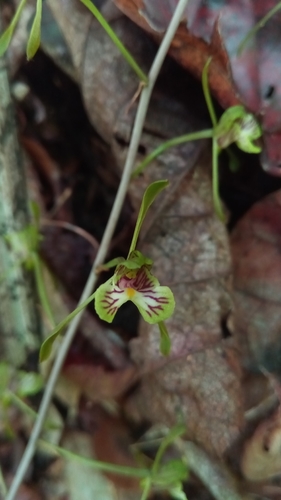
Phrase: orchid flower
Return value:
(237, 125)
(133, 281)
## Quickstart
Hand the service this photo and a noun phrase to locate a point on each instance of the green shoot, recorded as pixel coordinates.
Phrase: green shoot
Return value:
(170, 474)
(35, 33)
(129, 58)
(257, 27)
(6, 37)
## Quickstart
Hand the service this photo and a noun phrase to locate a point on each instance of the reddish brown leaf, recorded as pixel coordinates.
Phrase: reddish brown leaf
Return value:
(97, 383)
(257, 268)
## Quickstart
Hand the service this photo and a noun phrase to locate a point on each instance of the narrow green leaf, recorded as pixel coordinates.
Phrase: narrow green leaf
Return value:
(35, 33)
(129, 58)
(148, 198)
(165, 341)
(46, 347)
(5, 38)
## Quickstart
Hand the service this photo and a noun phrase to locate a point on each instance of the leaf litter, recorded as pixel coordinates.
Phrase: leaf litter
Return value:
(226, 321)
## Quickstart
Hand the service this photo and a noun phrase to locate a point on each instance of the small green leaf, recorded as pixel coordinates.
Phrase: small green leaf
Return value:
(165, 341)
(29, 383)
(46, 347)
(171, 473)
(149, 196)
(33, 43)
(6, 37)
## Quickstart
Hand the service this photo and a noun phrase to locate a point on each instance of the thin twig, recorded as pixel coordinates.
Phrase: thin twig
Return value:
(213, 474)
(116, 209)
(71, 227)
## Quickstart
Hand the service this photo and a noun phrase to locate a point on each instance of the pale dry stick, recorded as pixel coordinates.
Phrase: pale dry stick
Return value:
(213, 474)
(101, 255)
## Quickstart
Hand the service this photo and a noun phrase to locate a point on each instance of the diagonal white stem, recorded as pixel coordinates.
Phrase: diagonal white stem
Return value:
(116, 209)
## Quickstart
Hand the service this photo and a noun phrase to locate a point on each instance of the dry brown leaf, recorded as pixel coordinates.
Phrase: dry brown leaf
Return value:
(193, 53)
(99, 384)
(261, 457)
(111, 442)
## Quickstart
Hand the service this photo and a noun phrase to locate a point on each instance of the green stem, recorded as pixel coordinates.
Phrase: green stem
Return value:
(97, 464)
(256, 28)
(26, 409)
(203, 134)
(3, 489)
(216, 196)
(207, 95)
(129, 58)
(21, 404)
(42, 289)
(146, 489)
